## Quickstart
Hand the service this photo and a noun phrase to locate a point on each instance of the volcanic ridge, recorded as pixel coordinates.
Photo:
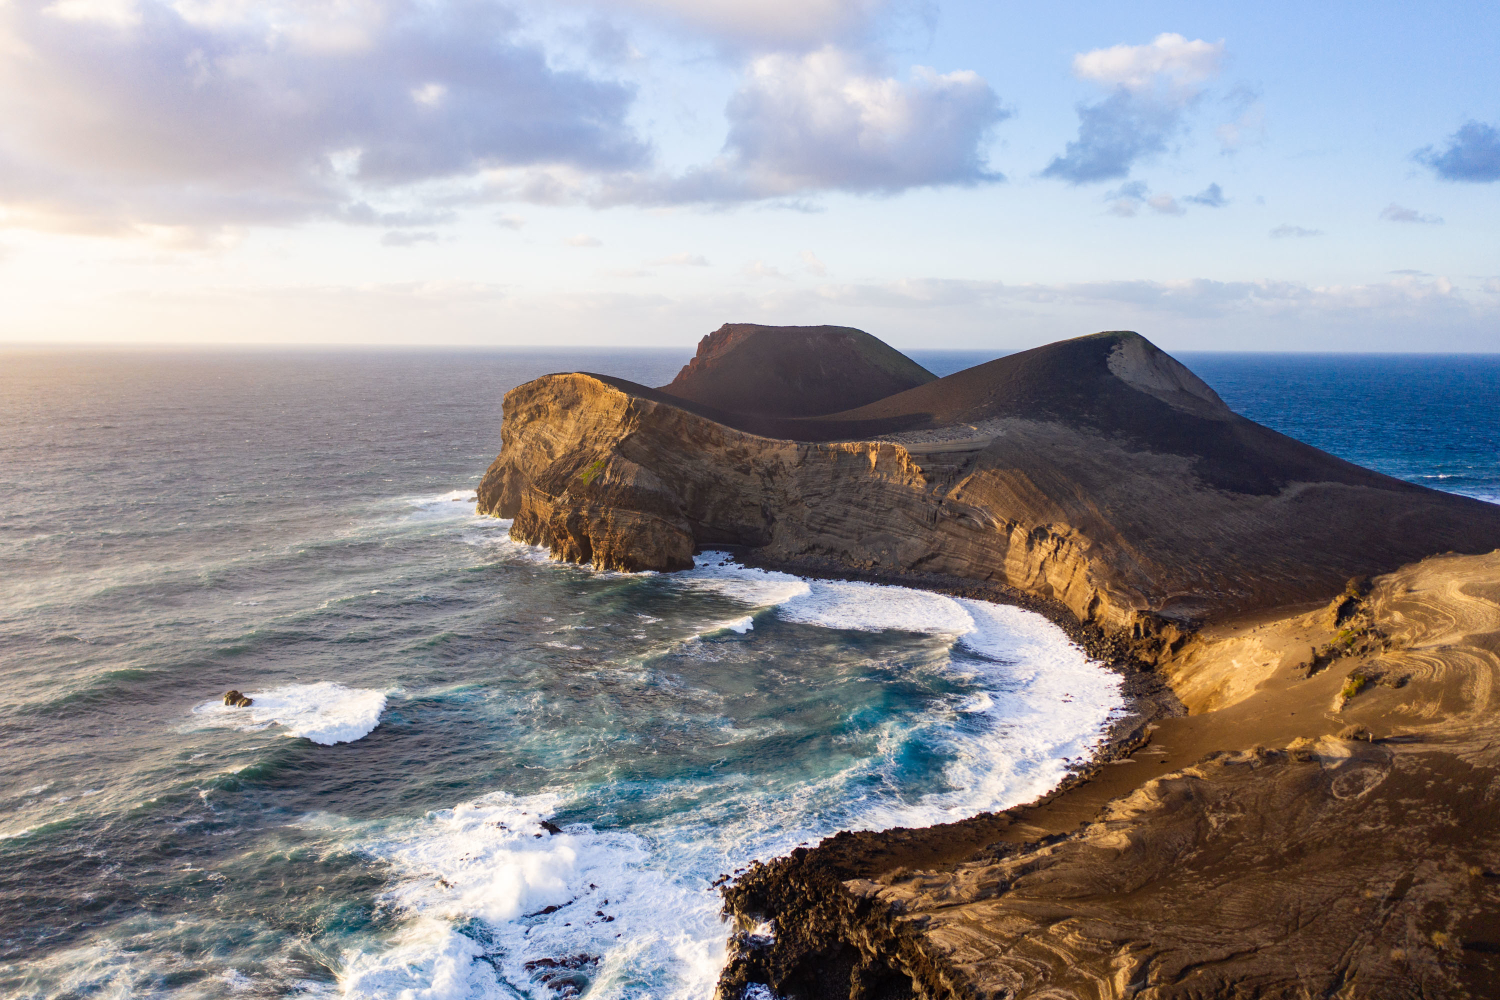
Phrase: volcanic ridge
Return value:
(1302, 799)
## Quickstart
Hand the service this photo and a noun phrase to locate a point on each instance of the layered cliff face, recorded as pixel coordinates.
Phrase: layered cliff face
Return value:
(1330, 830)
(1097, 472)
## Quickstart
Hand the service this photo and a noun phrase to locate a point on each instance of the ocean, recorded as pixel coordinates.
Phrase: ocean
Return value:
(468, 771)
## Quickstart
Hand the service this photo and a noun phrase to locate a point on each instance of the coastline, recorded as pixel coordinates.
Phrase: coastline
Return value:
(1146, 873)
(1147, 696)
(1220, 835)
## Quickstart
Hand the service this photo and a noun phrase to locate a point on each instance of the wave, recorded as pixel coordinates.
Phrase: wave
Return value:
(497, 903)
(1040, 701)
(494, 903)
(325, 713)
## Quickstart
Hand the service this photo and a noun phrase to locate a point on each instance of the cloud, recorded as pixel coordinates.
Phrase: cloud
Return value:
(812, 265)
(1131, 197)
(115, 113)
(1249, 123)
(1210, 197)
(1473, 154)
(760, 269)
(682, 260)
(1398, 213)
(801, 125)
(765, 24)
(1152, 86)
(583, 240)
(1169, 63)
(820, 121)
(505, 221)
(1491, 285)
(407, 238)
(1411, 273)
(1298, 232)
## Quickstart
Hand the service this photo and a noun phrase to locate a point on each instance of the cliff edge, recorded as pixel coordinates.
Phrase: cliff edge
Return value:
(1096, 472)
(1321, 823)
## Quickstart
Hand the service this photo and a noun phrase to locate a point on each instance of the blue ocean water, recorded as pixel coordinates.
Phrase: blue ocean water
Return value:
(1430, 419)
(299, 526)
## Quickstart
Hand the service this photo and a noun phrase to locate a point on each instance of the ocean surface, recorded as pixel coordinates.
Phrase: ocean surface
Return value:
(427, 694)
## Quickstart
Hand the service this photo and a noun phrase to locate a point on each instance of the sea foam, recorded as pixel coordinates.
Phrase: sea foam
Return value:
(325, 713)
(475, 883)
(1040, 701)
(496, 904)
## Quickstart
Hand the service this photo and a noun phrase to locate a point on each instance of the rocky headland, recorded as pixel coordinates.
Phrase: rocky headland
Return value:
(1312, 809)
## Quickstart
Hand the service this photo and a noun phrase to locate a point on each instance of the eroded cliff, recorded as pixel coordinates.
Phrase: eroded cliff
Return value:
(1334, 831)
(1098, 473)
(1324, 822)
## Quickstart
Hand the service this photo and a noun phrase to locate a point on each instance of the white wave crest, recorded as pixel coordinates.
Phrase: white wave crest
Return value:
(495, 904)
(1040, 703)
(325, 713)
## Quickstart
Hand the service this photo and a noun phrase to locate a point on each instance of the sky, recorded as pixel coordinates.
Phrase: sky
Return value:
(944, 174)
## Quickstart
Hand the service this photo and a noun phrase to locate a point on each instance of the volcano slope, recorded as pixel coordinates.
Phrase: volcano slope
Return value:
(1324, 819)
(1097, 472)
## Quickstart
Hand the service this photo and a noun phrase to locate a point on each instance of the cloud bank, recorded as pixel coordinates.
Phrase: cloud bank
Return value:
(120, 114)
(198, 112)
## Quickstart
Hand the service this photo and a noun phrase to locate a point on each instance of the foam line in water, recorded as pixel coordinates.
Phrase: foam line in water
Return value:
(497, 905)
(325, 713)
(1040, 700)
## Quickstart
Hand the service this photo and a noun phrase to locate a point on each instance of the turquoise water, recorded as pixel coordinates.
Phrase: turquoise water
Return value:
(299, 526)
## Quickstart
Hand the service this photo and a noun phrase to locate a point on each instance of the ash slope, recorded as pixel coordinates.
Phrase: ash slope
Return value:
(1097, 472)
(793, 371)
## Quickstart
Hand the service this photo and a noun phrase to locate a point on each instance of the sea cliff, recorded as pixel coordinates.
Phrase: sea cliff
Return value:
(1321, 821)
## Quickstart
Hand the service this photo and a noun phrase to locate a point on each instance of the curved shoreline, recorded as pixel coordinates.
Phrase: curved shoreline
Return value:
(1290, 775)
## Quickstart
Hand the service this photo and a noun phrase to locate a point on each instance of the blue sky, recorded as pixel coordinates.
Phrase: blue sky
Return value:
(984, 175)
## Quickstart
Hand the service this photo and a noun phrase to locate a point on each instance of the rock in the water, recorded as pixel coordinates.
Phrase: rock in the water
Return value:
(236, 700)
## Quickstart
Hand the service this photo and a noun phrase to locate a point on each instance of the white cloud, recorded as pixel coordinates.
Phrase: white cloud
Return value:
(208, 112)
(1170, 66)
(1164, 204)
(1399, 213)
(584, 240)
(116, 13)
(812, 265)
(1128, 200)
(1151, 87)
(760, 269)
(820, 121)
(682, 260)
(764, 23)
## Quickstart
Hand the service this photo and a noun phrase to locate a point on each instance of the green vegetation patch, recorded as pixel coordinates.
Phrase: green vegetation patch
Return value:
(592, 472)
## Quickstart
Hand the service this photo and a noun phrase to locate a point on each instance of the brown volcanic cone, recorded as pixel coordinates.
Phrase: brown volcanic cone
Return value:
(793, 371)
(1097, 472)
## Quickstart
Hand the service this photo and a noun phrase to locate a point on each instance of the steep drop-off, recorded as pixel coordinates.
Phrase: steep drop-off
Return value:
(1097, 472)
(1328, 826)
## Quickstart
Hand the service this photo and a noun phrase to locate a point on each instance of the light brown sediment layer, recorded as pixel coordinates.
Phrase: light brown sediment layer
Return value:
(1310, 834)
